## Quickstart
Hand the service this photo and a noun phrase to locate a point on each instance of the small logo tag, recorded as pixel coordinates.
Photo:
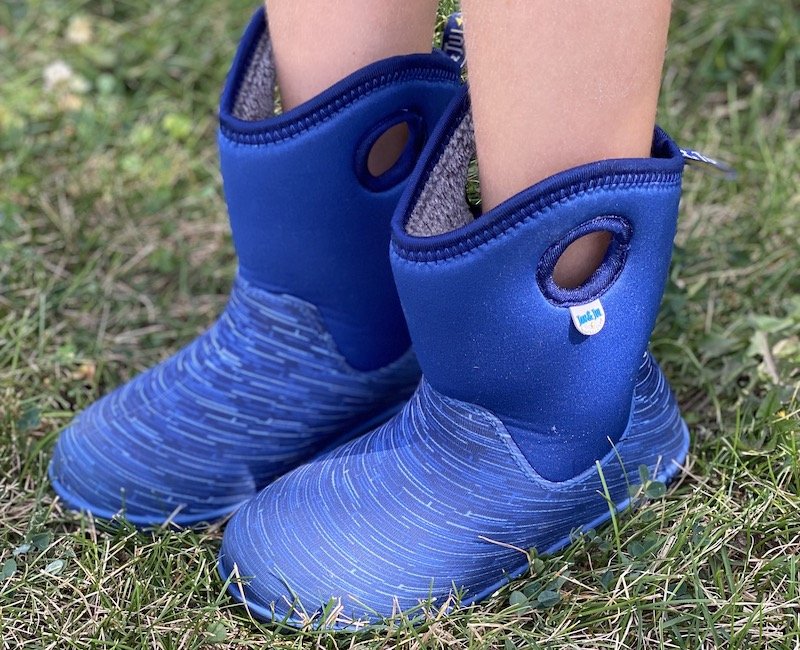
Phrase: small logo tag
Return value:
(588, 319)
(707, 162)
(453, 39)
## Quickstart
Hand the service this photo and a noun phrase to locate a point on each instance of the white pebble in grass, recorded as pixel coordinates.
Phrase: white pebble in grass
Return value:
(57, 74)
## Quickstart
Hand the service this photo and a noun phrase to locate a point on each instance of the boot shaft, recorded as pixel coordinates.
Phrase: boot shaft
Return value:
(489, 324)
(308, 218)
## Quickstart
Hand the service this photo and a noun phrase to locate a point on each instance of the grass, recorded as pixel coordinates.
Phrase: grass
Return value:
(114, 251)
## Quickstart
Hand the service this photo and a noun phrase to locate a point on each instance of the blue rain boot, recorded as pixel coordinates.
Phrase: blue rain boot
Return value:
(537, 403)
(312, 348)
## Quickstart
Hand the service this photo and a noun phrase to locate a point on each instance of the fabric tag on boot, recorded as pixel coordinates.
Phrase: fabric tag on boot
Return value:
(453, 39)
(708, 163)
(588, 319)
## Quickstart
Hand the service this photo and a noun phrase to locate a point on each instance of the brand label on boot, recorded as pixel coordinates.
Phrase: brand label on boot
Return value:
(588, 319)
(453, 39)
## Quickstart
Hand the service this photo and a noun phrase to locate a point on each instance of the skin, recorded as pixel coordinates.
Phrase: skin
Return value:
(554, 84)
(316, 44)
(558, 84)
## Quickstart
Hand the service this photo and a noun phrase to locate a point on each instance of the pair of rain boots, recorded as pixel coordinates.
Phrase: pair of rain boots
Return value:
(354, 481)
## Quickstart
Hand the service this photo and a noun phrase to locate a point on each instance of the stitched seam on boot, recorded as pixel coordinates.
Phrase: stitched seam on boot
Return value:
(271, 134)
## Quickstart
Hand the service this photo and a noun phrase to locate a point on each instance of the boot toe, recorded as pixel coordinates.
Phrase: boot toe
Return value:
(136, 452)
(261, 391)
(437, 506)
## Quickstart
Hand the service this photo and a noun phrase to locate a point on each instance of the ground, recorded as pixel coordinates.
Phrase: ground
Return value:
(114, 251)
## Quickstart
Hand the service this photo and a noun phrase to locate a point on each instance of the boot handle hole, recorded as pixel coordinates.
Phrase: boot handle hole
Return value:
(388, 152)
(585, 262)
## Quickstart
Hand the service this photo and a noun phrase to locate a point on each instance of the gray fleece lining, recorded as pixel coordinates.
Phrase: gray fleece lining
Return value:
(442, 205)
(256, 97)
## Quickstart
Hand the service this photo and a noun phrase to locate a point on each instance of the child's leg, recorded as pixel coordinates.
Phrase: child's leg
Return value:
(315, 46)
(559, 84)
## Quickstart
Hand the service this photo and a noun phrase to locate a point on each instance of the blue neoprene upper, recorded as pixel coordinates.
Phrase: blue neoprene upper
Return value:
(487, 328)
(305, 220)
(496, 450)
